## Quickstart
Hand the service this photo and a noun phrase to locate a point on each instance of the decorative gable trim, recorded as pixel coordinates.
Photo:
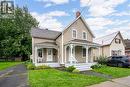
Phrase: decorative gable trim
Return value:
(83, 20)
(120, 36)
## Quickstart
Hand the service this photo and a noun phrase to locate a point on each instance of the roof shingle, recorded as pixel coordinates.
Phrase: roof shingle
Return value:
(44, 33)
(106, 40)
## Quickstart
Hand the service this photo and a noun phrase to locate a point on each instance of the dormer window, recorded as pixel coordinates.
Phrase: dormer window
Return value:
(74, 33)
(84, 35)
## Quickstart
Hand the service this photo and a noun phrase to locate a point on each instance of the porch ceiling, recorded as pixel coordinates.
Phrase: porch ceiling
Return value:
(82, 42)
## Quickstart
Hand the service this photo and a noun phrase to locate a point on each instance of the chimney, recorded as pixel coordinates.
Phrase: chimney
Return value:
(78, 14)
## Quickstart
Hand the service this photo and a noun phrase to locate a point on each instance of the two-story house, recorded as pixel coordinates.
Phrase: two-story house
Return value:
(73, 46)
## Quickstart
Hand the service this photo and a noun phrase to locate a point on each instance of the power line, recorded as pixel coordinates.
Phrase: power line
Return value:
(85, 7)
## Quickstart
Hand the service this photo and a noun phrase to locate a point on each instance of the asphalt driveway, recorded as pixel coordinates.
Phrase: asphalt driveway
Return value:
(17, 77)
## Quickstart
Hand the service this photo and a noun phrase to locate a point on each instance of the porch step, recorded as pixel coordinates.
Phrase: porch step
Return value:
(49, 64)
(82, 67)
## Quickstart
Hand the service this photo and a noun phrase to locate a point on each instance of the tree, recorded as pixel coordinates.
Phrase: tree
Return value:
(15, 38)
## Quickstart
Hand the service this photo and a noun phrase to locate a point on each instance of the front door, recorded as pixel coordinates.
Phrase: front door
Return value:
(49, 54)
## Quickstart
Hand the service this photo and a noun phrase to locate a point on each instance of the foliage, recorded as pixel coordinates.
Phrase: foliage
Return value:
(70, 68)
(75, 71)
(102, 60)
(31, 66)
(57, 78)
(15, 39)
(96, 66)
(28, 62)
(43, 67)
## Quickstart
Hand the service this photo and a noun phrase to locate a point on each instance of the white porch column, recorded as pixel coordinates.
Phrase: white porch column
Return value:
(36, 55)
(71, 53)
(65, 53)
(86, 54)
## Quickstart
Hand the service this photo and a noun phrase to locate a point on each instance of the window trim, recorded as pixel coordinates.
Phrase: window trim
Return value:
(83, 35)
(72, 33)
(83, 52)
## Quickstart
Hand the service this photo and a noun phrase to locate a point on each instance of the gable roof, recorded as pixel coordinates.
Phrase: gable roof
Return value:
(44, 33)
(83, 20)
(106, 40)
(127, 43)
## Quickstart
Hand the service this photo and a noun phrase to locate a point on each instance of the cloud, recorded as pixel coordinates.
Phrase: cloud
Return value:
(98, 23)
(125, 30)
(48, 20)
(48, 5)
(121, 14)
(101, 7)
(54, 1)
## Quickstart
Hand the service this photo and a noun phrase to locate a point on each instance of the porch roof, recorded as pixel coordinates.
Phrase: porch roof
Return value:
(46, 45)
(85, 42)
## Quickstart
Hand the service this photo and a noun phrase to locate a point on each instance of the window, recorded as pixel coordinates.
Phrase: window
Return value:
(118, 41)
(116, 52)
(39, 52)
(74, 33)
(84, 35)
(84, 52)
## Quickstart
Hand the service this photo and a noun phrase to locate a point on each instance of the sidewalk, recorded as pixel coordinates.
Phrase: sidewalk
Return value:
(120, 82)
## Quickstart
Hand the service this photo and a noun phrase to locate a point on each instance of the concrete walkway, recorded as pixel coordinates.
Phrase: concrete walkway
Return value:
(15, 77)
(120, 82)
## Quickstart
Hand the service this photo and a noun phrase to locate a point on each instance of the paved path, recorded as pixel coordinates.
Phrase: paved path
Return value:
(17, 77)
(120, 82)
(90, 72)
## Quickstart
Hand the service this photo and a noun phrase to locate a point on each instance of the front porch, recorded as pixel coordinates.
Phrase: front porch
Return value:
(79, 52)
(46, 54)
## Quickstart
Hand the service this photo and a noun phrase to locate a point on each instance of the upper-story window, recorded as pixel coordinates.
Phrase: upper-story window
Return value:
(74, 33)
(84, 35)
(117, 40)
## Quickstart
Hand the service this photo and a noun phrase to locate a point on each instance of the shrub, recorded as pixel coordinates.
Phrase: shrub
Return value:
(96, 66)
(31, 66)
(43, 67)
(76, 71)
(27, 62)
(70, 68)
(102, 60)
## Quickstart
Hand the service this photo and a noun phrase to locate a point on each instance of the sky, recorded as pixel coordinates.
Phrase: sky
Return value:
(103, 16)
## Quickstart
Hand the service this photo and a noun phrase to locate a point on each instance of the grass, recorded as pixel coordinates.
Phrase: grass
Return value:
(56, 78)
(115, 72)
(5, 65)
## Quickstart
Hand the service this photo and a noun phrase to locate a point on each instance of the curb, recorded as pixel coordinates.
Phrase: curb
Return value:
(8, 72)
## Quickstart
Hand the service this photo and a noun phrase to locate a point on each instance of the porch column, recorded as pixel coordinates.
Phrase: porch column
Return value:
(86, 54)
(71, 53)
(36, 55)
(65, 53)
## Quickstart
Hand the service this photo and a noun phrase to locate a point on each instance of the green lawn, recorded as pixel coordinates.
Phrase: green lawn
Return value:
(115, 72)
(4, 65)
(56, 78)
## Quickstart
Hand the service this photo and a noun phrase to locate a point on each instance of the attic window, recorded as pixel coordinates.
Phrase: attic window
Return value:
(74, 33)
(118, 41)
(84, 35)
